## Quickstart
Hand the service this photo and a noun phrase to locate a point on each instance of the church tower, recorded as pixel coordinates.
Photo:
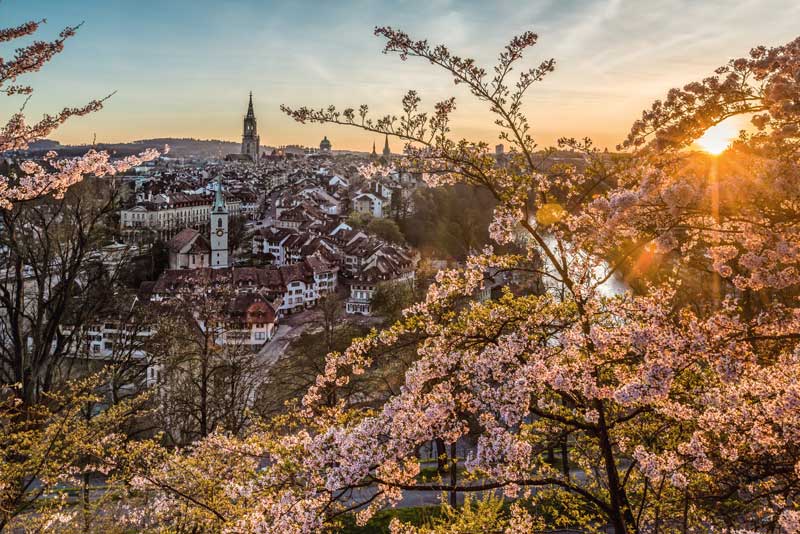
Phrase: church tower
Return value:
(219, 229)
(386, 150)
(250, 141)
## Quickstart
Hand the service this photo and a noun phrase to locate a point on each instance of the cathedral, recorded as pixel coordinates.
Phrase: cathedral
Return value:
(250, 141)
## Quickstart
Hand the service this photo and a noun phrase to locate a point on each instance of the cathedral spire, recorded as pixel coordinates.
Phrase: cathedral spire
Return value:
(250, 113)
(386, 150)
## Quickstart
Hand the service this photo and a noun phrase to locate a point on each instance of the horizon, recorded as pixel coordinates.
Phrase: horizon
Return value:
(191, 80)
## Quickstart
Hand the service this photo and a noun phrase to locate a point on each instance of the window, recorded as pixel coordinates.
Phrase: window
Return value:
(219, 222)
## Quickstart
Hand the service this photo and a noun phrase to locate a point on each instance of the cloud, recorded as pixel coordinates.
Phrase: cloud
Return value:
(582, 32)
(614, 57)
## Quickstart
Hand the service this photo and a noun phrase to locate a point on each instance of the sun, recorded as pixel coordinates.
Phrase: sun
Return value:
(717, 138)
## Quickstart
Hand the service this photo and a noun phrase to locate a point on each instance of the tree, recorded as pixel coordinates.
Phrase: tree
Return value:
(450, 221)
(53, 283)
(291, 376)
(238, 234)
(385, 229)
(609, 401)
(358, 220)
(56, 397)
(31, 179)
(208, 376)
(49, 244)
(70, 435)
(51, 287)
(391, 298)
(147, 266)
(332, 308)
(676, 418)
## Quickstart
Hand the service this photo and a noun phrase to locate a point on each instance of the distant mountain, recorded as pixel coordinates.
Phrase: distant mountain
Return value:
(191, 147)
(179, 148)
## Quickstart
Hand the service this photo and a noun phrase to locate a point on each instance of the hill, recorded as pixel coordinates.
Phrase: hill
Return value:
(179, 147)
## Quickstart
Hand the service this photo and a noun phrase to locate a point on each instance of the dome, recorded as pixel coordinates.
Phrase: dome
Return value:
(325, 144)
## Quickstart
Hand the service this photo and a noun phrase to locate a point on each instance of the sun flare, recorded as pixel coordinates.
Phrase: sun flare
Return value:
(718, 138)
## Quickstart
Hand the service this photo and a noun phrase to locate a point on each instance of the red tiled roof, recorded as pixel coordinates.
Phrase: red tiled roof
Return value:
(182, 238)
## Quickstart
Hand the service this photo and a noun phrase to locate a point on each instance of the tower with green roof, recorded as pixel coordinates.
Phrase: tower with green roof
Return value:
(219, 229)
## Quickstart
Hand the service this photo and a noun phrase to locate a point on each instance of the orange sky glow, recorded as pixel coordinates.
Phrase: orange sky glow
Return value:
(184, 69)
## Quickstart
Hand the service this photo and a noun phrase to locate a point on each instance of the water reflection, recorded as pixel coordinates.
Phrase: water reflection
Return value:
(612, 285)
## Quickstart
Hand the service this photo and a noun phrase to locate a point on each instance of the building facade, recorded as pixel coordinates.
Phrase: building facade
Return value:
(168, 214)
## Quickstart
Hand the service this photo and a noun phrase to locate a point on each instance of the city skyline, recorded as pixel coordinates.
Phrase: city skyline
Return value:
(192, 79)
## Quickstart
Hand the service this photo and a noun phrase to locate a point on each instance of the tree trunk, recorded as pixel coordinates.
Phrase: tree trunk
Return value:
(85, 504)
(565, 458)
(440, 456)
(453, 474)
(85, 485)
(620, 514)
(204, 395)
(685, 529)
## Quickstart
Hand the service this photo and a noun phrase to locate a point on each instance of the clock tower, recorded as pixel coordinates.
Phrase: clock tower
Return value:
(219, 229)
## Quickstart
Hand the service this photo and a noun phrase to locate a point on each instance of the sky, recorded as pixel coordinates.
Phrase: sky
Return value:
(183, 68)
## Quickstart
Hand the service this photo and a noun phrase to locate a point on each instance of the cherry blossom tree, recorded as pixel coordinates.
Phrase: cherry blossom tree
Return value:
(673, 415)
(51, 432)
(55, 446)
(51, 176)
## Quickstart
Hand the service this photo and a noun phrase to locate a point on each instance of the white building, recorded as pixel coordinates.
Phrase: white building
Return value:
(372, 204)
(168, 213)
(189, 250)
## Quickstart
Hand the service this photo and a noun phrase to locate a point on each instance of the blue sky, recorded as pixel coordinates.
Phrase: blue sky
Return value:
(184, 67)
